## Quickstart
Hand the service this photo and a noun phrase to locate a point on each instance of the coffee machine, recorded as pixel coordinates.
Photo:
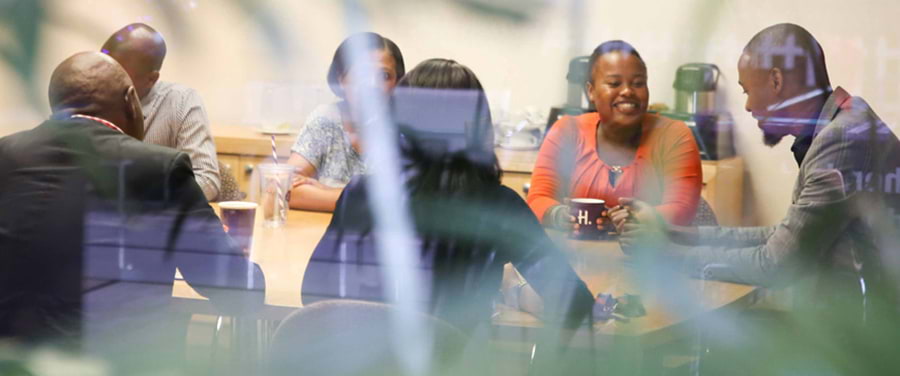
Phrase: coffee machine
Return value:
(576, 98)
(696, 105)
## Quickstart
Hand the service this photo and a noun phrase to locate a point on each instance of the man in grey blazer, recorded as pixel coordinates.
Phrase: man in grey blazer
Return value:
(837, 246)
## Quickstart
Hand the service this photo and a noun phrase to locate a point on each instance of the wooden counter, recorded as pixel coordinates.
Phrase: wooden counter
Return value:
(243, 147)
(247, 141)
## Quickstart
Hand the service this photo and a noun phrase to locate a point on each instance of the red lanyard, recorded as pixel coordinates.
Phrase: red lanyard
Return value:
(99, 120)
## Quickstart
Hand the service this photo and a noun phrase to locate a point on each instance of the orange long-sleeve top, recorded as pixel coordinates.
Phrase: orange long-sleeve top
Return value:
(665, 172)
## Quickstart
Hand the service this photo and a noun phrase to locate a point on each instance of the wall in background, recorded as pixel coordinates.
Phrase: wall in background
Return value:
(221, 51)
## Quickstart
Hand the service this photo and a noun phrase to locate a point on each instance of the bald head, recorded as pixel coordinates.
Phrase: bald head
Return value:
(91, 83)
(782, 71)
(140, 50)
(791, 49)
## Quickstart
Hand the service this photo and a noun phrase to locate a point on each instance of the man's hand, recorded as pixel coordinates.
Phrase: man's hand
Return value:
(618, 216)
(636, 238)
(641, 229)
(642, 212)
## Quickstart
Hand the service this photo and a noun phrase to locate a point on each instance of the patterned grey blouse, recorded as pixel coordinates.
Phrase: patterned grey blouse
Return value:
(327, 147)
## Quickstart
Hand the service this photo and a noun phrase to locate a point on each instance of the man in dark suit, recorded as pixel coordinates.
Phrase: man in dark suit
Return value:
(94, 222)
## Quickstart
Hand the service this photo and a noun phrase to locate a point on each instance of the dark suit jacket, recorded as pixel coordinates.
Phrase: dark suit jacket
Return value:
(87, 209)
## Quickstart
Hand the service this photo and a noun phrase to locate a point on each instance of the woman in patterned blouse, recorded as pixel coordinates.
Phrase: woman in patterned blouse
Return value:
(327, 151)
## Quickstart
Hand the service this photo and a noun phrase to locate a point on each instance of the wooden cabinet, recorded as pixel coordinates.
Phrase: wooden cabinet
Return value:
(242, 167)
(242, 148)
(516, 181)
(516, 166)
(723, 186)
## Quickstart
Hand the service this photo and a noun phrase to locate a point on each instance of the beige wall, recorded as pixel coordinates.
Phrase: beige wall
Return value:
(221, 53)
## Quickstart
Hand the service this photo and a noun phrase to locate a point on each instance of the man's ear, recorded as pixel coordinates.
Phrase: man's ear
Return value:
(776, 80)
(134, 113)
(154, 76)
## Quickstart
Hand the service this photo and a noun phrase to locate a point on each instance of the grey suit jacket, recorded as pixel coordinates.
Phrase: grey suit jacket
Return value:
(840, 226)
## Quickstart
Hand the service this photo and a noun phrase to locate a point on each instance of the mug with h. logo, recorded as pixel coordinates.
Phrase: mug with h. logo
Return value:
(588, 212)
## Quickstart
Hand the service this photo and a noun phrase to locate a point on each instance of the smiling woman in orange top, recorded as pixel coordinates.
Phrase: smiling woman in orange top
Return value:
(618, 151)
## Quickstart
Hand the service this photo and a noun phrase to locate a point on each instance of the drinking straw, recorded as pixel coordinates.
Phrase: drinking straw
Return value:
(274, 153)
(278, 192)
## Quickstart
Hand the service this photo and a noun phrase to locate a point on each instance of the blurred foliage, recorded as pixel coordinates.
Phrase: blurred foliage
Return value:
(701, 33)
(21, 23)
(514, 10)
(265, 19)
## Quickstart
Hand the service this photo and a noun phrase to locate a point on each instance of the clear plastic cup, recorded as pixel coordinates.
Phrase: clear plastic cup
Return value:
(274, 185)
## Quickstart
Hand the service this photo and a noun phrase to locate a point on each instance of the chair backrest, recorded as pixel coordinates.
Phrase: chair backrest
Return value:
(347, 337)
(705, 214)
(229, 190)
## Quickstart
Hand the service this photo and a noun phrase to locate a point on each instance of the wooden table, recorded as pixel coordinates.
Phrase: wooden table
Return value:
(676, 310)
(672, 301)
(670, 297)
(283, 254)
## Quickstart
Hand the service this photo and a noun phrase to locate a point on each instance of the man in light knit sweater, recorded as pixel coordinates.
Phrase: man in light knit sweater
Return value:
(173, 114)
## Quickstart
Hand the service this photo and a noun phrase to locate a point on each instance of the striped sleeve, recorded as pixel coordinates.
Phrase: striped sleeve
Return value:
(176, 118)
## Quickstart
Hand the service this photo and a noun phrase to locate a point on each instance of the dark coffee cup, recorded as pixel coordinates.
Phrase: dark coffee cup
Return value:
(587, 211)
(238, 218)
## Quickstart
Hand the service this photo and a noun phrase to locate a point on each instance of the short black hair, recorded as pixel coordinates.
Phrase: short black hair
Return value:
(457, 172)
(341, 62)
(441, 74)
(609, 47)
(771, 48)
(437, 73)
